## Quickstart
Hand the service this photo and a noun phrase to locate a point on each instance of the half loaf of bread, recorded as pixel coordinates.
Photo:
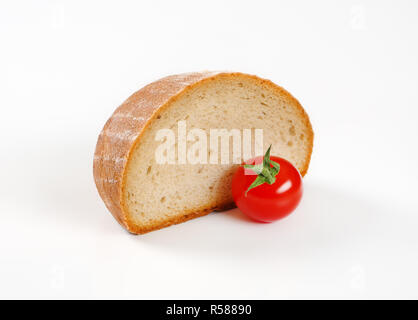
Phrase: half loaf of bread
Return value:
(144, 195)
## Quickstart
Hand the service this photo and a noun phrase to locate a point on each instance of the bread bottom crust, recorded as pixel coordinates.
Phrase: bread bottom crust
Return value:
(135, 229)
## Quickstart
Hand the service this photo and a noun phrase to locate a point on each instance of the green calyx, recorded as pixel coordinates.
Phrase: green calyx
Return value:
(266, 171)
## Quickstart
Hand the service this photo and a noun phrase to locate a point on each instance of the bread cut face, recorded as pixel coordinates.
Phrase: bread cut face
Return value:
(145, 195)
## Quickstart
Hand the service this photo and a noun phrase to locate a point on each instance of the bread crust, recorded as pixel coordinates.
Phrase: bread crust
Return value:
(123, 131)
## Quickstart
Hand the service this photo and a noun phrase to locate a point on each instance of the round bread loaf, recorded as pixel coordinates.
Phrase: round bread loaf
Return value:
(144, 194)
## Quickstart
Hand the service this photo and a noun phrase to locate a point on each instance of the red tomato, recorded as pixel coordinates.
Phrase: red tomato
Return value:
(267, 203)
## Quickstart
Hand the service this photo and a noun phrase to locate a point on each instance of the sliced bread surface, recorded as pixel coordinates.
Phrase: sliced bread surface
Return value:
(144, 195)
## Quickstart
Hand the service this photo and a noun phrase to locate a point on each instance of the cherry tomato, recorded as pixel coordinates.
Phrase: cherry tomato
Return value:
(267, 203)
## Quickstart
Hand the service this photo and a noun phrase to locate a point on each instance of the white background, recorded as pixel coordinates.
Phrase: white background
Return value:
(66, 65)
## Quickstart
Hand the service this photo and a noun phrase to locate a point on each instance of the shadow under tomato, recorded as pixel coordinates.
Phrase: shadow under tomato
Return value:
(236, 213)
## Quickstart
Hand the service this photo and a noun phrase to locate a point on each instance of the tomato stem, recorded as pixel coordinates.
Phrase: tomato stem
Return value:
(266, 171)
